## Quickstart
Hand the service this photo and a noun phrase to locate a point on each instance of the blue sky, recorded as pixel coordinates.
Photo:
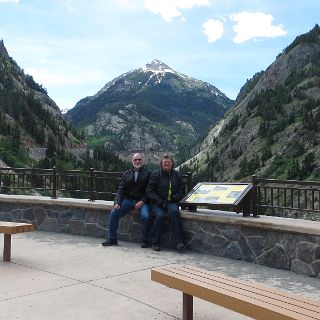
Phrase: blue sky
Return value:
(74, 47)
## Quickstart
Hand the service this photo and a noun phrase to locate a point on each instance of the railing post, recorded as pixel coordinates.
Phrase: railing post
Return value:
(189, 188)
(91, 183)
(254, 195)
(54, 183)
(189, 181)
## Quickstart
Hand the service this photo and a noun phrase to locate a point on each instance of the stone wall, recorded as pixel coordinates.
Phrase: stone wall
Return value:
(275, 242)
(277, 249)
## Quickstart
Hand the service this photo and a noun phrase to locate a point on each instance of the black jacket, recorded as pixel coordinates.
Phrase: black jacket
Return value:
(130, 189)
(158, 186)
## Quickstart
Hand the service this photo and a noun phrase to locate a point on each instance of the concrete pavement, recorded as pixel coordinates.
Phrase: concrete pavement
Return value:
(61, 276)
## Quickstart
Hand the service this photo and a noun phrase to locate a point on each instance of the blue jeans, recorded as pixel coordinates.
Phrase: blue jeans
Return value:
(125, 207)
(172, 209)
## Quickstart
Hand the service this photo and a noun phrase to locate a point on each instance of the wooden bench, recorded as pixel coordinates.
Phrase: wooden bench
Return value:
(250, 299)
(9, 228)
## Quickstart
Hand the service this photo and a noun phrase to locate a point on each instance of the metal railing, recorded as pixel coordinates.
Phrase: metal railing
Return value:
(286, 197)
(269, 196)
(90, 184)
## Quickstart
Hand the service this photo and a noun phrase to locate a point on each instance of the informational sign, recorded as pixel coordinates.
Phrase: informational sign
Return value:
(207, 193)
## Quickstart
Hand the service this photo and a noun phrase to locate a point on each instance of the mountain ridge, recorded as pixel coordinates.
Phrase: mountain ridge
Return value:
(273, 128)
(29, 118)
(153, 102)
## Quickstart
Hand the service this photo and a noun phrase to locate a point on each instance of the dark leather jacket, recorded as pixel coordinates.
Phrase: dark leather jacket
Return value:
(158, 186)
(130, 189)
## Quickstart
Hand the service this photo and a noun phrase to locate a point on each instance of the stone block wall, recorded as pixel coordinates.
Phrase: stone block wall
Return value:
(295, 251)
(78, 221)
(276, 249)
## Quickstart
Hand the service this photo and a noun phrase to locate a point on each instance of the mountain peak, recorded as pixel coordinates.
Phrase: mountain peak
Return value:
(3, 50)
(157, 66)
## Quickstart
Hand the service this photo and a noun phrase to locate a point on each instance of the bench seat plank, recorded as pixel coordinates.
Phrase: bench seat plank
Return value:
(247, 298)
(251, 289)
(9, 228)
(15, 227)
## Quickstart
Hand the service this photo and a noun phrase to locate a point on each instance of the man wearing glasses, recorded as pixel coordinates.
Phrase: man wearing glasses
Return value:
(131, 195)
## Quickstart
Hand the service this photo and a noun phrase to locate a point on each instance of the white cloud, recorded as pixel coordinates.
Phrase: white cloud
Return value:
(168, 9)
(213, 29)
(14, 1)
(60, 79)
(254, 25)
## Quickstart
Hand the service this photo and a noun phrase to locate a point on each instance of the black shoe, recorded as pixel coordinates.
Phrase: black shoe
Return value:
(156, 247)
(110, 242)
(181, 246)
(145, 244)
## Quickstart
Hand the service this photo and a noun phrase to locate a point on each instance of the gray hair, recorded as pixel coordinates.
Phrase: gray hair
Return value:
(138, 155)
(167, 156)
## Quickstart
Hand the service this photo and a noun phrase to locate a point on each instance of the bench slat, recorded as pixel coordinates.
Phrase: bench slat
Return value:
(210, 287)
(9, 228)
(253, 288)
(15, 227)
(263, 294)
(234, 301)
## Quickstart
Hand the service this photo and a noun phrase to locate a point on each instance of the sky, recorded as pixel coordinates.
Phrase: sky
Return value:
(74, 47)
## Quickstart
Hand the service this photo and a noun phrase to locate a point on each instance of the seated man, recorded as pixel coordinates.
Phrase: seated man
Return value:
(165, 189)
(131, 195)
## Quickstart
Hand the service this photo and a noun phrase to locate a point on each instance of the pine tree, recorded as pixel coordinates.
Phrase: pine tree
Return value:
(51, 147)
(16, 139)
(294, 170)
(307, 165)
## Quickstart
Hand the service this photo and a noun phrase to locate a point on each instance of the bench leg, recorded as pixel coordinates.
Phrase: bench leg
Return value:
(187, 313)
(7, 247)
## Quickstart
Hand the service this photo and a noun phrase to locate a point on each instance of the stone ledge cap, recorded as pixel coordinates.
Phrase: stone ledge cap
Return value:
(227, 217)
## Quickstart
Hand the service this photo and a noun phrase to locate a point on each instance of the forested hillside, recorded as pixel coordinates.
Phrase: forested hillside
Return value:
(273, 130)
(33, 131)
(28, 116)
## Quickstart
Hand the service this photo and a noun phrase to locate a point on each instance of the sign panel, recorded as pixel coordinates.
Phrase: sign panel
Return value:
(217, 193)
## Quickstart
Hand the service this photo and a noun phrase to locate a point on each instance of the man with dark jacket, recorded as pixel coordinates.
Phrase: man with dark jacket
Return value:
(165, 189)
(131, 195)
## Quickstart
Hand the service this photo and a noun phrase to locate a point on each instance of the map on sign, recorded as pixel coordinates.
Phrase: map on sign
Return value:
(217, 193)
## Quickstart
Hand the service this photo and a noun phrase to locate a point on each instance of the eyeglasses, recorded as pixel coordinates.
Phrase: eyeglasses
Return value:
(137, 159)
